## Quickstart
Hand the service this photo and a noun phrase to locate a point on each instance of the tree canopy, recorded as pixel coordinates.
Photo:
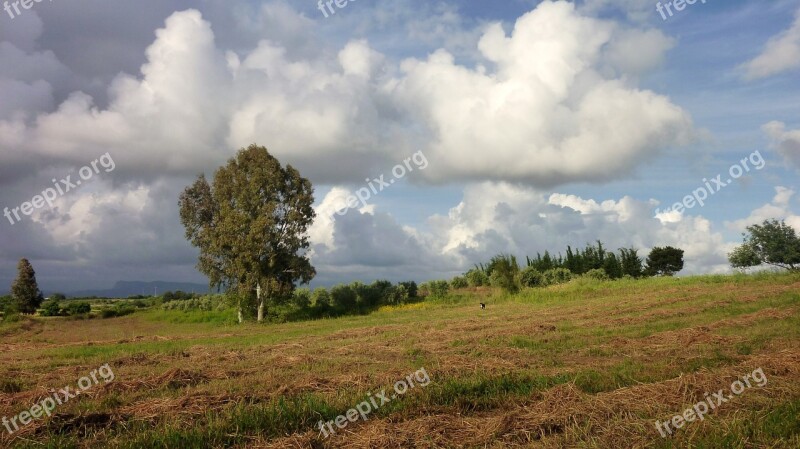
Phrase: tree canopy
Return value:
(25, 290)
(251, 226)
(665, 261)
(772, 243)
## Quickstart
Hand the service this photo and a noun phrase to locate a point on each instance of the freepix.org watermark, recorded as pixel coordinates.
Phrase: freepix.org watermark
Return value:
(711, 402)
(376, 185)
(700, 195)
(59, 189)
(48, 404)
(365, 408)
(26, 4)
(679, 6)
(327, 5)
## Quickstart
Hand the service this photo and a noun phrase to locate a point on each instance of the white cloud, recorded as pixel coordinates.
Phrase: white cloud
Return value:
(786, 143)
(498, 217)
(779, 209)
(544, 115)
(780, 54)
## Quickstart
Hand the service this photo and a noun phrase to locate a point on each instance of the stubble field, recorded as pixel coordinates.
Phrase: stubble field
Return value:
(587, 364)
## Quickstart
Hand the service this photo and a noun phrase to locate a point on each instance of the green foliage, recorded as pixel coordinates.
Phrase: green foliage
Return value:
(612, 266)
(477, 277)
(301, 298)
(58, 297)
(78, 308)
(411, 288)
(459, 282)
(665, 261)
(632, 264)
(251, 226)
(343, 298)
(596, 274)
(557, 276)
(25, 291)
(204, 303)
(504, 273)
(178, 296)
(531, 277)
(321, 301)
(51, 308)
(117, 310)
(436, 289)
(772, 242)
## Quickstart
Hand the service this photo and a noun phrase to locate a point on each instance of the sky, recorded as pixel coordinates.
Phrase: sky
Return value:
(519, 126)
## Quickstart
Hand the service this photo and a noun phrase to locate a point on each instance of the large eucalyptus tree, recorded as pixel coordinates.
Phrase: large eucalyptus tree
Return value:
(251, 227)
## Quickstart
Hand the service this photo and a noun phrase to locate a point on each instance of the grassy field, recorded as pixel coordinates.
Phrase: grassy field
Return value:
(587, 364)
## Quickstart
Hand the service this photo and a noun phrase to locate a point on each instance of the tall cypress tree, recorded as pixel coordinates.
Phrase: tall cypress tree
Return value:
(25, 290)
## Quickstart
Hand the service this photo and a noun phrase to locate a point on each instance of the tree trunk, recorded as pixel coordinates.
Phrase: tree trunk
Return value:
(241, 316)
(261, 311)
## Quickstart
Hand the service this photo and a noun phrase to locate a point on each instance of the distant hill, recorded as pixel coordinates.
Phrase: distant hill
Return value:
(123, 289)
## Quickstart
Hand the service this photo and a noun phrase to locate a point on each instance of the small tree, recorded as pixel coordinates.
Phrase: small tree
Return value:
(612, 266)
(504, 273)
(25, 289)
(665, 261)
(772, 242)
(631, 262)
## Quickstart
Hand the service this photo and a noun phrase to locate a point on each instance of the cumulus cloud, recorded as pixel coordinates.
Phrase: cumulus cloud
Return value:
(542, 114)
(781, 53)
(786, 143)
(780, 208)
(499, 217)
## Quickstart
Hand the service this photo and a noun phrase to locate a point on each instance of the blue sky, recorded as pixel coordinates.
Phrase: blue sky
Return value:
(545, 124)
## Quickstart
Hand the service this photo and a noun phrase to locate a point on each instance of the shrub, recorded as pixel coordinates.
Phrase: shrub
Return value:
(459, 282)
(301, 298)
(343, 297)
(504, 271)
(321, 299)
(531, 277)
(597, 274)
(477, 278)
(78, 308)
(206, 303)
(397, 295)
(51, 308)
(411, 288)
(557, 276)
(435, 289)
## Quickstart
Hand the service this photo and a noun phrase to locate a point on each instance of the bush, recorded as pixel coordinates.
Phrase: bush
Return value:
(504, 271)
(598, 274)
(477, 278)
(343, 298)
(301, 298)
(557, 276)
(411, 288)
(78, 308)
(435, 289)
(51, 308)
(321, 300)
(459, 282)
(206, 303)
(531, 277)
(397, 295)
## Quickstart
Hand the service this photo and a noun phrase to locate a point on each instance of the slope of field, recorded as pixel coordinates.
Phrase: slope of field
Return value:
(588, 364)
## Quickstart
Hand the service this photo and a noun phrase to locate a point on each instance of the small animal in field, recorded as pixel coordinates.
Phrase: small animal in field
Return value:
(483, 306)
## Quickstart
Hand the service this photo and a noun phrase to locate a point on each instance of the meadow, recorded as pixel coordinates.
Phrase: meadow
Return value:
(586, 364)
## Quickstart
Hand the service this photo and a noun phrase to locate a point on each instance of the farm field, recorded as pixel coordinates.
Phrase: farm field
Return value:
(586, 364)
